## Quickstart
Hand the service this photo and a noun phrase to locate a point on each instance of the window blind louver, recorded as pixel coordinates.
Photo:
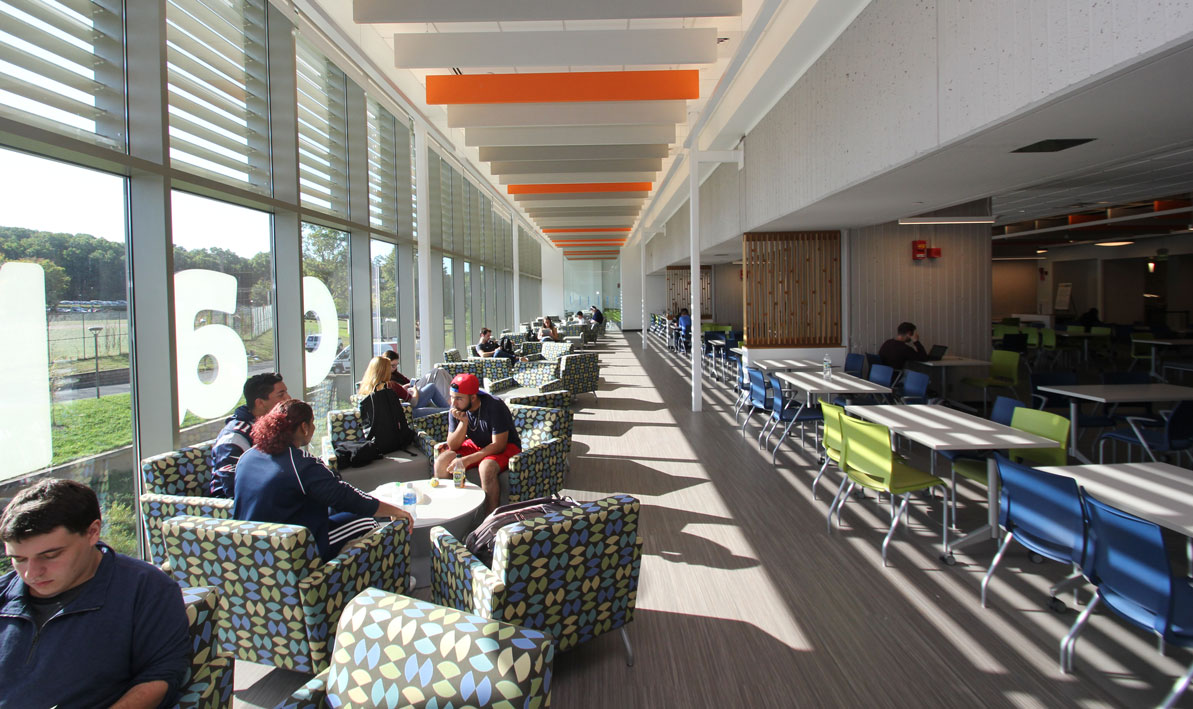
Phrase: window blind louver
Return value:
(322, 132)
(404, 195)
(62, 68)
(215, 60)
(434, 198)
(383, 169)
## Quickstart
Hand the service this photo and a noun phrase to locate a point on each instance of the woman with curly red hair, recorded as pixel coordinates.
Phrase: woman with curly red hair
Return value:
(277, 481)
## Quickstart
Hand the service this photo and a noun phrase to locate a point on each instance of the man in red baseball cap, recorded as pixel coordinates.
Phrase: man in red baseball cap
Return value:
(481, 432)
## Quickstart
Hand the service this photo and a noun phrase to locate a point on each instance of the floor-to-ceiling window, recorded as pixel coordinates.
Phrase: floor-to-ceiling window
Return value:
(66, 408)
(326, 323)
(449, 306)
(223, 307)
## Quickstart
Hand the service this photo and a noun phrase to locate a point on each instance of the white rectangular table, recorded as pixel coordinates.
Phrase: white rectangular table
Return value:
(786, 365)
(1158, 492)
(1156, 345)
(814, 383)
(940, 428)
(947, 362)
(1113, 394)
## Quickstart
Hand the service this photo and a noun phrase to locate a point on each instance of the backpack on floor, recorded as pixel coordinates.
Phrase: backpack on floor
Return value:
(482, 539)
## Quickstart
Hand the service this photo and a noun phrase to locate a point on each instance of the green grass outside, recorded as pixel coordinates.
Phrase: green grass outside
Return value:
(613, 314)
(90, 426)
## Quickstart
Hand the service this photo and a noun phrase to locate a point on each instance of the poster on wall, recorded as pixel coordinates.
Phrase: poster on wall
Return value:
(1064, 295)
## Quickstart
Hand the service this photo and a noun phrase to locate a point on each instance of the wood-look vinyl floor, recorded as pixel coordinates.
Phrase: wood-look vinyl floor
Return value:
(746, 600)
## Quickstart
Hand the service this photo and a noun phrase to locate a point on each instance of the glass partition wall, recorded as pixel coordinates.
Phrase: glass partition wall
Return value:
(133, 317)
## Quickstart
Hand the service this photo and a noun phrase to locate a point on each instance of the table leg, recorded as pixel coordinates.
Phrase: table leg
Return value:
(1073, 432)
(1155, 374)
(988, 531)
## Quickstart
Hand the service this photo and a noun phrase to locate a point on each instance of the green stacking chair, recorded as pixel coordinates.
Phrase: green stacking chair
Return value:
(832, 439)
(1004, 372)
(1047, 349)
(869, 462)
(1100, 342)
(1041, 423)
(1140, 353)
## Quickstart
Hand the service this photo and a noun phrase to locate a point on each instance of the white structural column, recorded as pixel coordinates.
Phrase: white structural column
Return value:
(423, 219)
(517, 323)
(695, 158)
(642, 280)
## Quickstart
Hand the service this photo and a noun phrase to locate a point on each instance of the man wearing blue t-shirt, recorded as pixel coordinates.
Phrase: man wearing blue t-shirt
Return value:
(80, 625)
(481, 432)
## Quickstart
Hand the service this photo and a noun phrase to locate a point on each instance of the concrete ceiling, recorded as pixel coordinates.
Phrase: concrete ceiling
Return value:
(1143, 150)
(559, 142)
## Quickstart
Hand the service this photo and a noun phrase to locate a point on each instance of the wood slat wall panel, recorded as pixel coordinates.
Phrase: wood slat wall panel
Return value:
(947, 298)
(792, 289)
(679, 289)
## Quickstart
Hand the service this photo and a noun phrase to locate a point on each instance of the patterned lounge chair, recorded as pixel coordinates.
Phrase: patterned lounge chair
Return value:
(554, 350)
(209, 684)
(395, 651)
(573, 573)
(452, 355)
(282, 601)
(542, 466)
(527, 379)
(580, 372)
(178, 483)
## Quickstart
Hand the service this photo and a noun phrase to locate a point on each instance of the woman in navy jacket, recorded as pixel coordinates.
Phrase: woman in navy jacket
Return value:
(277, 481)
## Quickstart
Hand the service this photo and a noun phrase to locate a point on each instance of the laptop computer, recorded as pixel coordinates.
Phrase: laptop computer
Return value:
(937, 353)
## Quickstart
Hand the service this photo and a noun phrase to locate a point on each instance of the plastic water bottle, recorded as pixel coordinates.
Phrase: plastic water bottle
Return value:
(458, 473)
(827, 367)
(410, 500)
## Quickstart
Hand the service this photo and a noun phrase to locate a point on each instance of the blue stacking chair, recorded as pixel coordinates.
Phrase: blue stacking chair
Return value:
(757, 396)
(872, 359)
(1117, 412)
(788, 414)
(743, 389)
(1129, 566)
(1042, 512)
(855, 362)
(881, 375)
(1176, 436)
(915, 388)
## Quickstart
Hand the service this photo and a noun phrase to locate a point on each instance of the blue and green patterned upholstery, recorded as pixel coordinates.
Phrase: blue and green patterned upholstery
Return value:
(394, 651)
(541, 468)
(178, 483)
(531, 348)
(209, 682)
(555, 350)
(569, 330)
(452, 355)
(470, 366)
(282, 601)
(156, 509)
(557, 399)
(495, 368)
(573, 573)
(344, 424)
(186, 471)
(580, 372)
(541, 376)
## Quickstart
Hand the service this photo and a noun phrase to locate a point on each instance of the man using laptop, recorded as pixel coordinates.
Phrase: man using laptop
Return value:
(904, 347)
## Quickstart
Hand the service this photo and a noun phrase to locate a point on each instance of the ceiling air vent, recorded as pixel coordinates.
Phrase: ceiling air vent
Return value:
(1053, 145)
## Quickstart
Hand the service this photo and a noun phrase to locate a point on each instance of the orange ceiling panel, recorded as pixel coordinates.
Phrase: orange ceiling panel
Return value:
(594, 242)
(669, 85)
(573, 187)
(582, 231)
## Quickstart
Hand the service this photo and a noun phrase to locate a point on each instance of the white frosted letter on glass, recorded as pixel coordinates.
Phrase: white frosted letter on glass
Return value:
(317, 298)
(195, 291)
(24, 371)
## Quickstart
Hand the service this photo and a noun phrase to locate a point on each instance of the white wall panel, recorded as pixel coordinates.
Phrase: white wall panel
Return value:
(947, 298)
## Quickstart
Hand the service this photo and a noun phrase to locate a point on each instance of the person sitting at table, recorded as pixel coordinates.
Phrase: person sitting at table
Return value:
(904, 347)
(481, 432)
(425, 399)
(487, 345)
(1089, 319)
(545, 335)
(597, 316)
(683, 329)
(278, 481)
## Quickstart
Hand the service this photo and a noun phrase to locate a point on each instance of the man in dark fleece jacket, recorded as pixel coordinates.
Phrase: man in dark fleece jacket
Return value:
(80, 625)
(262, 392)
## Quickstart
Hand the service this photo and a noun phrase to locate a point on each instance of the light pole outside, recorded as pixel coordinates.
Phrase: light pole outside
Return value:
(95, 330)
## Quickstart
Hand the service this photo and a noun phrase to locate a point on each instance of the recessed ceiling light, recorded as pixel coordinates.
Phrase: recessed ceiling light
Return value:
(1114, 243)
(1052, 145)
(1041, 251)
